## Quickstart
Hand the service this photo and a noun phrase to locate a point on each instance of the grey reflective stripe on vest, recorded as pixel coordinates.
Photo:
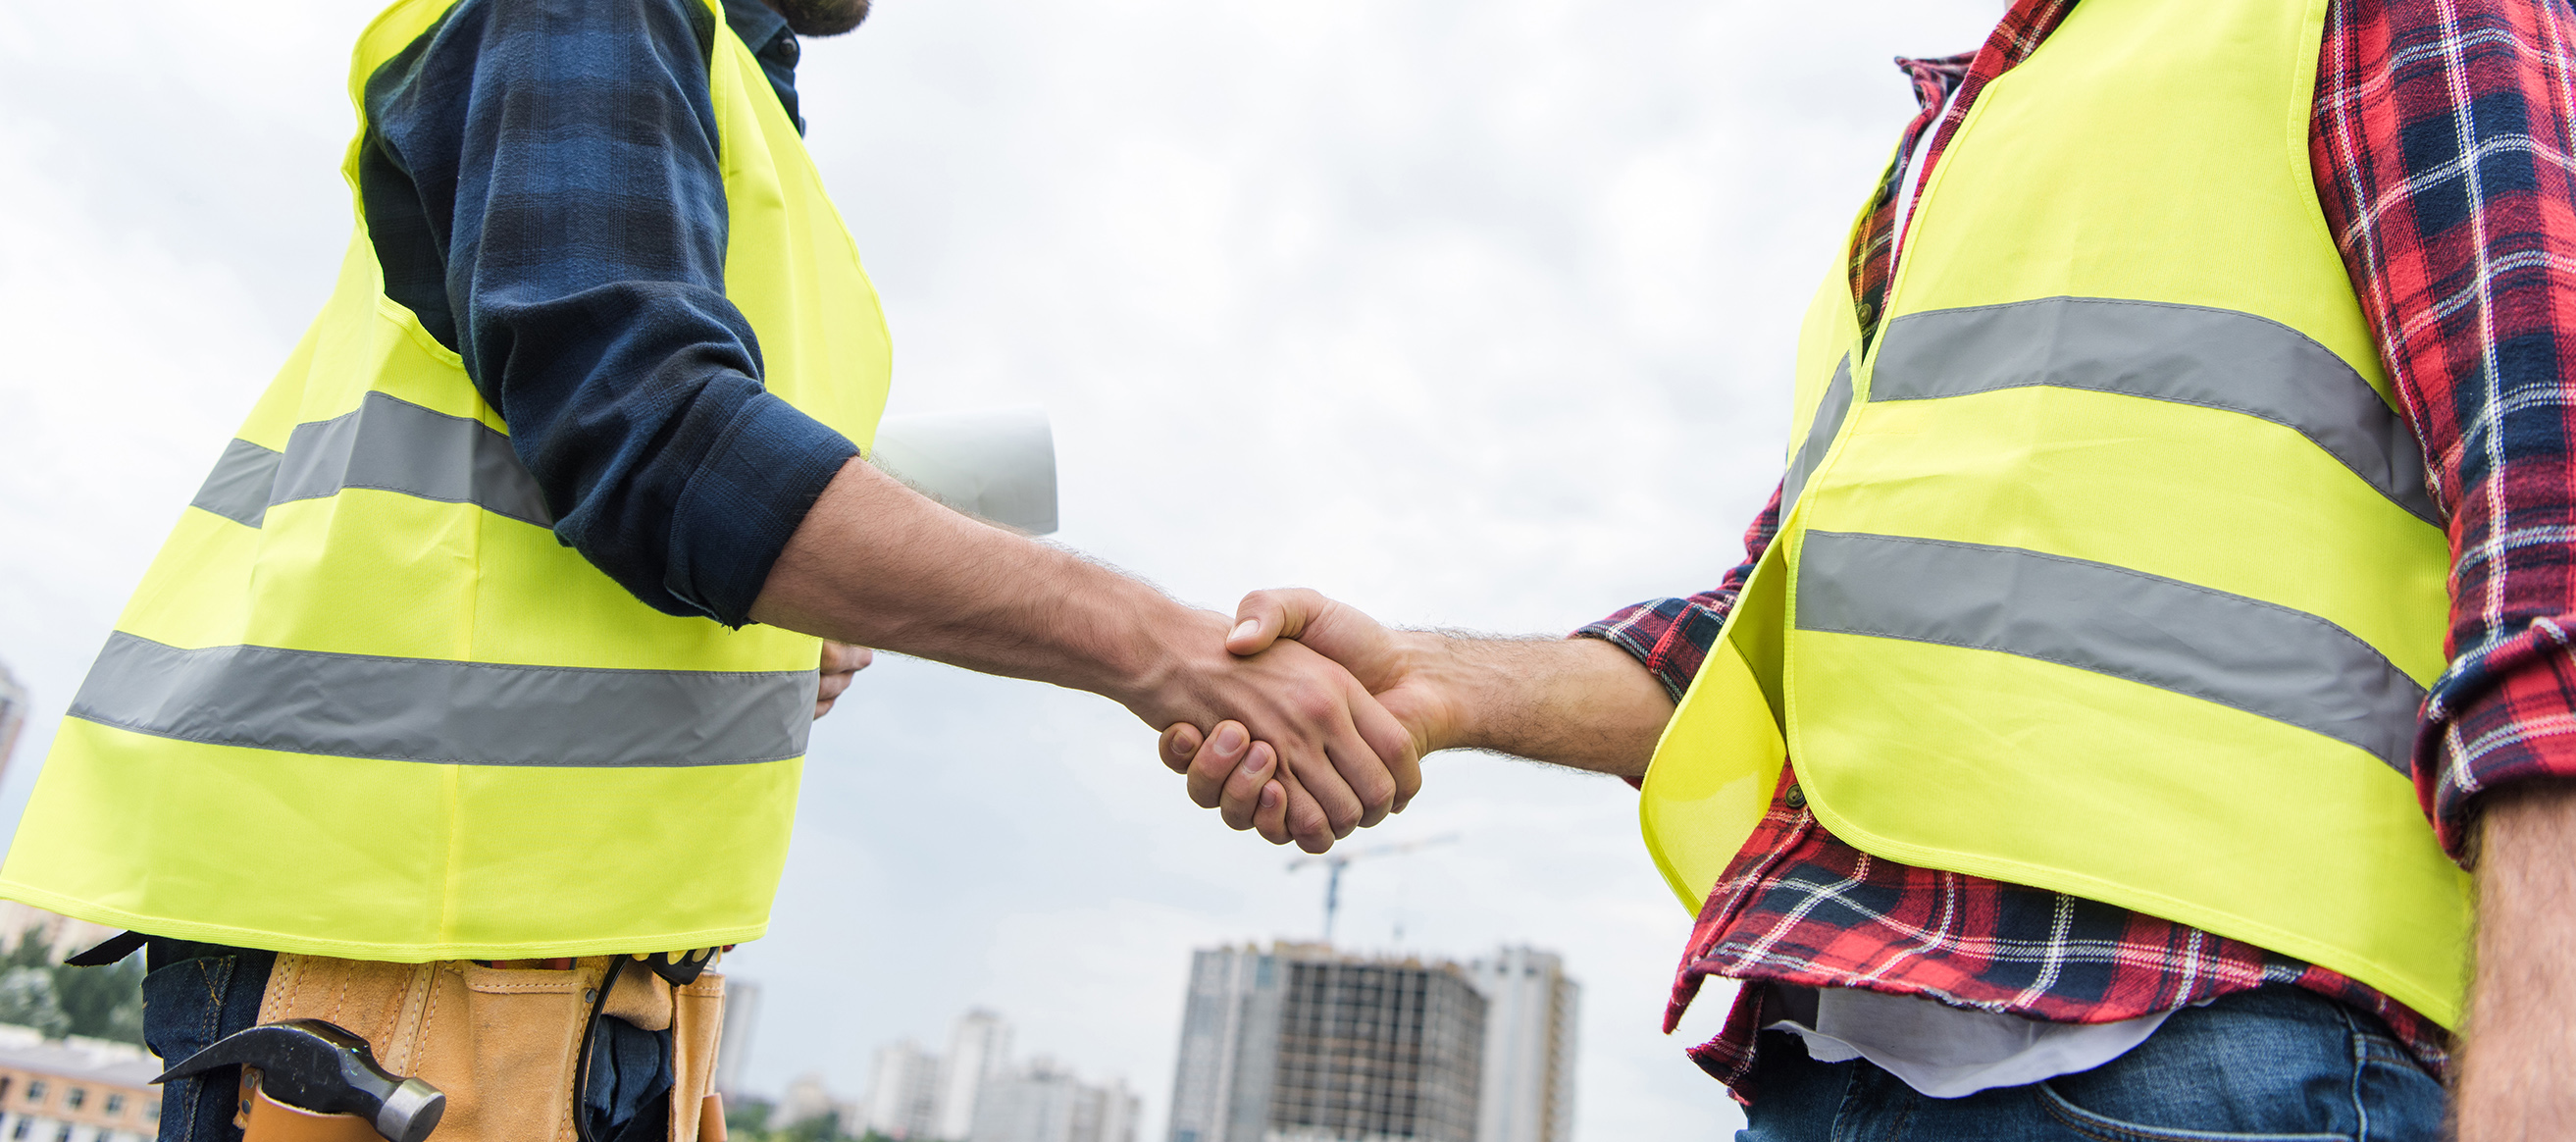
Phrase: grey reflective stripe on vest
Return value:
(1820, 434)
(2188, 354)
(393, 445)
(2258, 657)
(238, 487)
(427, 710)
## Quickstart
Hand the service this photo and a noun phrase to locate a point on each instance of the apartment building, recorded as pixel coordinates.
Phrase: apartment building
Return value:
(76, 1091)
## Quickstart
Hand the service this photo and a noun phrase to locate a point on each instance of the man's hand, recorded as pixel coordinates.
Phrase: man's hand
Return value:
(1577, 702)
(1348, 762)
(1231, 772)
(876, 564)
(841, 665)
(2512, 1084)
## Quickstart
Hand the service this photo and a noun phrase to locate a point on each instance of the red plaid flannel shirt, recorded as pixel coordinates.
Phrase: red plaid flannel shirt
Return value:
(2441, 143)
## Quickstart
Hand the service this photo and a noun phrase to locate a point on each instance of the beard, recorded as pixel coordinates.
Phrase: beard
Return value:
(821, 17)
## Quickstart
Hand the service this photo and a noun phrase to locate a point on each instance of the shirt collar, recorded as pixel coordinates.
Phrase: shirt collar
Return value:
(765, 32)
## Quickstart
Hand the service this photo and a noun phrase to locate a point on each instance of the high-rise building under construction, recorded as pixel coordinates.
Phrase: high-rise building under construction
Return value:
(1299, 1043)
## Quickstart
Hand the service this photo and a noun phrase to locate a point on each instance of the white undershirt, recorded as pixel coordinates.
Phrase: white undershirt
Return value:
(1952, 1052)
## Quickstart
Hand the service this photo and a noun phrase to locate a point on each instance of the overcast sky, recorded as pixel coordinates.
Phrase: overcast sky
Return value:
(1472, 312)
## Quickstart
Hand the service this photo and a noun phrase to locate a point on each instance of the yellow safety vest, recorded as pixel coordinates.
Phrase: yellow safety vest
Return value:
(2107, 566)
(365, 705)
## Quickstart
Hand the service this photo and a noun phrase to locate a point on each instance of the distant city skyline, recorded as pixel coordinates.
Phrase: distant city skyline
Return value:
(1040, 1102)
(976, 1092)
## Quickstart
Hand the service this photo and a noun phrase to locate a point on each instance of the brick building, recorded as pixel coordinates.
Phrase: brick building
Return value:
(76, 1091)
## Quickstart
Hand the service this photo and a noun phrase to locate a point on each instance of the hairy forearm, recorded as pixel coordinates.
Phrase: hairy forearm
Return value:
(876, 564)
(1578, 702)
(2522, 1003)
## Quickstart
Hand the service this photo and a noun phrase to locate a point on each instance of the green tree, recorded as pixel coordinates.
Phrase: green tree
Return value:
(747, 1118)
(58, 999)
(105, 1002)
(748, 1121)
(824, 1127)
(27, 999)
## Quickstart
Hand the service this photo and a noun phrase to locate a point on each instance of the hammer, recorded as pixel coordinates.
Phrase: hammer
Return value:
(319, 1069)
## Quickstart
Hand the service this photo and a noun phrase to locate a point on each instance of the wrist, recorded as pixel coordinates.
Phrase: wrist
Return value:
(1443, 680)
(1155, 646)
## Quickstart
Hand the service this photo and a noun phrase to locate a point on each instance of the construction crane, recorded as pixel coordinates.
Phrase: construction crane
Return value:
(1335, 862)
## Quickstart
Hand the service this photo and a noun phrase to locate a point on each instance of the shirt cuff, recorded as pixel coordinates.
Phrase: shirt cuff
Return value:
(746, 499)
(2522, 728)
(1670, 636)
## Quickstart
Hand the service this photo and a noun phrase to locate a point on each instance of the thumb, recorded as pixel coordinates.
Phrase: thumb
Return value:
(1265, 617)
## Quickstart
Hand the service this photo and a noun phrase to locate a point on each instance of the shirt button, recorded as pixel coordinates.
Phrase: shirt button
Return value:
(785, 48)
(1797, 797)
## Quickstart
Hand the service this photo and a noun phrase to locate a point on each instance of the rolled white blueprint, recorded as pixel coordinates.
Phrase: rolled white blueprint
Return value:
(996, 465)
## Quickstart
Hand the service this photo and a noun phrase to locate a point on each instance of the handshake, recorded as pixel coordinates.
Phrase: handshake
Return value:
(1335, 712)
(1335, 742)
(1303, 719)
(1299, 717)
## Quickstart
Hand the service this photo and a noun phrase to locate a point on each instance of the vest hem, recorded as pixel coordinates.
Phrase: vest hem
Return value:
(386, 952)
(2445, 1012)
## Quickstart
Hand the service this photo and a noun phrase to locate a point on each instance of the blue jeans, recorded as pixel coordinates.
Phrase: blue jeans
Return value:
(194, 994)
(2274, 1063)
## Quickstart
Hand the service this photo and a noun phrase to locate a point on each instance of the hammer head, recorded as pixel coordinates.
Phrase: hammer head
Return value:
(312, 1065)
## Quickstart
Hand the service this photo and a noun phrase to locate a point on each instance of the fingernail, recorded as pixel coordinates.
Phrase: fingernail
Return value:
(1258, 761)
(1229, 738)
(1243, 628)
(1270, 796)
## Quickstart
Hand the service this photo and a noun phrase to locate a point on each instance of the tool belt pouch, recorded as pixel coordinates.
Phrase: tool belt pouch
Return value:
(265, 1119)
(500, 1042)
(694, 1015)
(697, 1025)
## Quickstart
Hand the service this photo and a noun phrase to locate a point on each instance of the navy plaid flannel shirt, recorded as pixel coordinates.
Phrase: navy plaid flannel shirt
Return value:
(542, 188)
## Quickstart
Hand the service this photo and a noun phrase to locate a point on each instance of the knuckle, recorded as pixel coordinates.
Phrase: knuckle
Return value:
(1343, 820)
(1376, 790)
(1309, 820)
